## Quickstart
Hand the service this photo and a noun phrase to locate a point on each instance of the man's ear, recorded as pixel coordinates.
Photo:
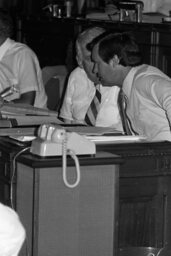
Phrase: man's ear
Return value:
(114, 61)
(79, 55)
(79, 61)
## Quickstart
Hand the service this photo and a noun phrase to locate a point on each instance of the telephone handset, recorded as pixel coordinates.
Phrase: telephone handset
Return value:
(53, 140)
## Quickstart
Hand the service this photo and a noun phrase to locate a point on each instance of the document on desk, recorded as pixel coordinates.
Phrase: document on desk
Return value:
(93, 131)
(9, 109)
(105, 135)
(116, 139)
(27, 115)
(31, 120)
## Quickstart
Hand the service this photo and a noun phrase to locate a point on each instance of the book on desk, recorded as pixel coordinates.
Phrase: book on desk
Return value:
(22, 119)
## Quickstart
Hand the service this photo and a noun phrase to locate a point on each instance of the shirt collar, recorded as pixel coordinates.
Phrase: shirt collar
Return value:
(4, 47)
(128, 82)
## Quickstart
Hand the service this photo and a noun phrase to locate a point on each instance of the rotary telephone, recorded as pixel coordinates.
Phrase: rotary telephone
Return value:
(53, 140)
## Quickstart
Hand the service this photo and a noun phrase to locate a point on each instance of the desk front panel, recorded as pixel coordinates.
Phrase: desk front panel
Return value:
(145, 190)
(64, 221)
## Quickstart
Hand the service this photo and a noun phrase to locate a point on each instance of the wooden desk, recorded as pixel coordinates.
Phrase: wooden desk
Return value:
(69, 221)
(144, 189)
(145, 194)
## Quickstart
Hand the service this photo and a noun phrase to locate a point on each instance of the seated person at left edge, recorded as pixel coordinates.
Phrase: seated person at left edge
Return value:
(19, 66)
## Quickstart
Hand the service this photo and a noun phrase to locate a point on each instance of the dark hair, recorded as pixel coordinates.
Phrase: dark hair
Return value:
(97, 39)
(123, 45)
(6, 23)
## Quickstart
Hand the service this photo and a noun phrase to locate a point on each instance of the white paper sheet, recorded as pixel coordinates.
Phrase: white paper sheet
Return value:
(116, 139)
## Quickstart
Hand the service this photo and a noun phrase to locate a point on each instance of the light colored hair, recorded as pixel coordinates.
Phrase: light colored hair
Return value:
(88, 35)
(84, 38)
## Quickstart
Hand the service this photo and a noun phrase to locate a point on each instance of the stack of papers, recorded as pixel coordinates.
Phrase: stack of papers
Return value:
(27, 115)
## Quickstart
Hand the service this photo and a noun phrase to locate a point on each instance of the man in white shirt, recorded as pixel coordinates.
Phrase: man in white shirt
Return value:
(12, 232)
(19, 67)
(147, 90)
(81, 88)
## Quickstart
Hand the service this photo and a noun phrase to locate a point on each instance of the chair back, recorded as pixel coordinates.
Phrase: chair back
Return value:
(54, 78)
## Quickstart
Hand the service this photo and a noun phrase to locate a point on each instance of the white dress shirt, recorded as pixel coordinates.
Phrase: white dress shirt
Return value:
(149, 102)
(79, 94)
(19, 66)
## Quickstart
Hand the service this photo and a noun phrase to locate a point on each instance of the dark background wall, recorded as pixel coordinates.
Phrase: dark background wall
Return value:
(31, 7)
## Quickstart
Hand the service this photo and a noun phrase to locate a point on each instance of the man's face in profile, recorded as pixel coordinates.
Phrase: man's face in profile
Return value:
(109, 74)
(84, 57)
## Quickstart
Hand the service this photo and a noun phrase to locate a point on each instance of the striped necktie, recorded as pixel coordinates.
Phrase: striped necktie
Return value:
(122, 104)
(90, 117)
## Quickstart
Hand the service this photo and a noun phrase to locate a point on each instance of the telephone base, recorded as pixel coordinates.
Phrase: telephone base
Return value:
(78, 144)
